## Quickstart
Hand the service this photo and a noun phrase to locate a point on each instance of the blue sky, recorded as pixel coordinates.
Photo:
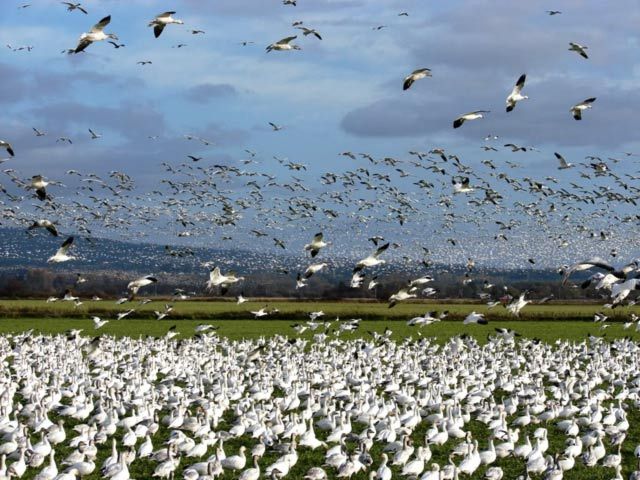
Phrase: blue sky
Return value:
(341, 93)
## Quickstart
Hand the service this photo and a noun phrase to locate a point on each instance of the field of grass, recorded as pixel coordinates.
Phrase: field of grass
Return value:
(548, 331)
(546, 322)
(297, 310)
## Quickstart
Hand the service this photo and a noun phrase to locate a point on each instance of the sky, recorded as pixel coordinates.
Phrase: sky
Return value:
(341, 93)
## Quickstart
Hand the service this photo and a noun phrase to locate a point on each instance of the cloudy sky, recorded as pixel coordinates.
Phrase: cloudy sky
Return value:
(341, 93)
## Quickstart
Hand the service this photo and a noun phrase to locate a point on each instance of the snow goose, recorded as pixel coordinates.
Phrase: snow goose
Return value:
(515, 96)
(399, 296)
(577, 109)
(457, 123)
(316, 244)
(217, 279)
(477, 318)
(44, 223)
(96, 34)
(7, 146)
(284, 44)
(75, 6)
(579, 49)
(314, 268)
(162, 20)
(372, 260)
(415, 75)
(137, 284)
(563, 163)
(461, 185)
(61, 254)
(39, 184)
(309, 31)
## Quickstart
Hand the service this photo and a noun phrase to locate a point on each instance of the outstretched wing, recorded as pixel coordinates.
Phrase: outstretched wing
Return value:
(98, 27)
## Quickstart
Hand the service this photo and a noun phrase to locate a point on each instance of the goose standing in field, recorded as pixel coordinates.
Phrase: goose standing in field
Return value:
(284, 44)
(372, 260)
(61, 254)
(563, 163)
(7, 146)
(515, 96)
(217, 279)
(415, 75)
(457, 123)
(316, 244)
(96, 34)
(580, 49)
(137, 284)
(577, 109)
(162, 20)
(46, 224)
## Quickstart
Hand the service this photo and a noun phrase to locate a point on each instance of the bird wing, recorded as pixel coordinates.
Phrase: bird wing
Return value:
(164, 15)
(64, 248)
(157, 29)
(563, 162)
(98, 27)
(595, 262)
(380, 250)
(589, 100)
(287, 39)
(519, 84)
(317, 237)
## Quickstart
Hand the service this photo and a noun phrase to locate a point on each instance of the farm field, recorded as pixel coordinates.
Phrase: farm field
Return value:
(297, 310)
(233, 331)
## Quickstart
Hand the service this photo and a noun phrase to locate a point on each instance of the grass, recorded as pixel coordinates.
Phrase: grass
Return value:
(548, 329)
(295, 310)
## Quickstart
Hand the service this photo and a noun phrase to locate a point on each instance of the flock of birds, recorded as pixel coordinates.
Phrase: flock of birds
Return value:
(206, 407)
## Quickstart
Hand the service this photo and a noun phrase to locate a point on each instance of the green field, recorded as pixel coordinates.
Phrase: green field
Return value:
(297, 310)
(547, 323)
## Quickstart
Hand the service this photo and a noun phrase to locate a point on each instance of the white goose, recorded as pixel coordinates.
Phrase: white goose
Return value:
(96, 34)
(62, 254)
(515, 96)
(162, 20)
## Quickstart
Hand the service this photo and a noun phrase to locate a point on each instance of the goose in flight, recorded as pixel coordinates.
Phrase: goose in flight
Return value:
(310, 31)
(597, 262)
(399, 296)
(74, 6)
(217, 279)
(38, 133)
(276, 128)
(576, 110)
(621, 290)
(315, 268)
(39, 184)
(284, 44)
(457, 123)
(98, 322)
(515, 96)
(96, 34)
(316, 244)
(477, 318)
(94, 135)
(137, 284)
(7, 146)
(461, 185)
(61, 254)
(554, 12)
(161, 21)
(51, 228)
(415, 75)
(372, 260)
(580, 49)
(563, 163)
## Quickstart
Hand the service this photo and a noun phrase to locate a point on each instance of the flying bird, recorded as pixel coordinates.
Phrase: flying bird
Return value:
(47, 224)
(563, 163)
(457, 123)
(580, 49)
(316, 244)
(7, 146)
(515, 96)
(74, 6)
(161, 21)
(576, 110)
(96, 34)
(137, 284)
(415, 75)
(284, 44)
(310, 31)
(61, 254)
